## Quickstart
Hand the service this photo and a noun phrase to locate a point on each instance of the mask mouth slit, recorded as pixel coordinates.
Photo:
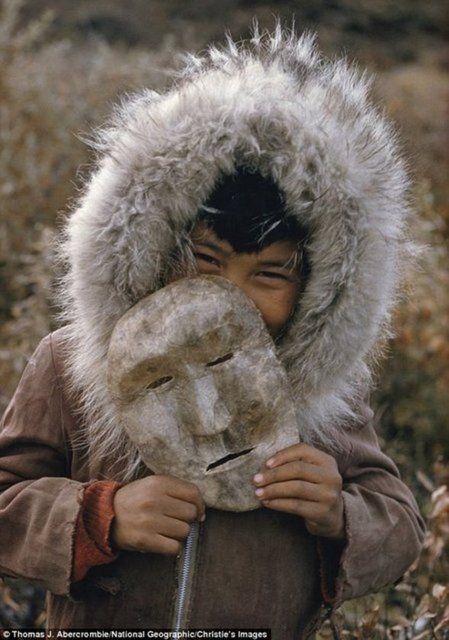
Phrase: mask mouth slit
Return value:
(230, 456)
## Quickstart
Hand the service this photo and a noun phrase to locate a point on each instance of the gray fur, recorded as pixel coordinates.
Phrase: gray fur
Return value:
(271, 104)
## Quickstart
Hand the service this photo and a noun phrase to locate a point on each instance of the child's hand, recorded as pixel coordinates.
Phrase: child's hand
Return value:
(154, 514)
(304, 481)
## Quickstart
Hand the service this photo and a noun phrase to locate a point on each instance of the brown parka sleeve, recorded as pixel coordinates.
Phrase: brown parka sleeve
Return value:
(39, 503)
(384, 528)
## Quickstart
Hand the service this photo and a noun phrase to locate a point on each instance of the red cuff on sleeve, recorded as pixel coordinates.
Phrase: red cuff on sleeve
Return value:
(92, 546)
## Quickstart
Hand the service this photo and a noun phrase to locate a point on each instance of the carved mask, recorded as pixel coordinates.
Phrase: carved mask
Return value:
(199, 390)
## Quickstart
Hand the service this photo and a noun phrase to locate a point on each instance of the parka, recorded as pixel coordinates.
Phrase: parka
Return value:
(273, 105)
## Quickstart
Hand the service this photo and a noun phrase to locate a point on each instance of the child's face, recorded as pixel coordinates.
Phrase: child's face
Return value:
(270, 278)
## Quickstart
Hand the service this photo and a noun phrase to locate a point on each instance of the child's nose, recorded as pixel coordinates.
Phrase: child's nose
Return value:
(236, 275)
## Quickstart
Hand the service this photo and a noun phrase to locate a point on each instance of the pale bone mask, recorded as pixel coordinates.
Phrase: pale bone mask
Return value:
(199, 389)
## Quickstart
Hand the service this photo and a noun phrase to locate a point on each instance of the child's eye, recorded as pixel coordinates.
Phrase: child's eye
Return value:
(204, 257)
(273, 275)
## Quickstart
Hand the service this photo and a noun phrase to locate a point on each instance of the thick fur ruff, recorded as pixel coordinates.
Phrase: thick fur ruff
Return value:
(272, 104)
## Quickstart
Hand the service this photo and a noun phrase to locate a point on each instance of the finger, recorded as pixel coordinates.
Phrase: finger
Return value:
(171, 527)
(183, 490)
(159, 544)
(297, 470)
(156, 524)
(303, 452)
(150, 540)
(187, 491)
(294, 489)
(180, 509)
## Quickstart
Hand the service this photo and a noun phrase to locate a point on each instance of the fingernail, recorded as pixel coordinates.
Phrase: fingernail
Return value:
(258, 478)
(203, 517)
(259, 492)
(270, 462)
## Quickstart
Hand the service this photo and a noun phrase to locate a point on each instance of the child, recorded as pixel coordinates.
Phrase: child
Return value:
(267, 166)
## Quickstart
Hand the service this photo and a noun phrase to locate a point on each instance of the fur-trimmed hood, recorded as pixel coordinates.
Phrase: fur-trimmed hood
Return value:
(271, 104)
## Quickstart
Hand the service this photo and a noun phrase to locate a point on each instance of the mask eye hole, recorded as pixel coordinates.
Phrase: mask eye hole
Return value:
(159, 382)
(219, 360)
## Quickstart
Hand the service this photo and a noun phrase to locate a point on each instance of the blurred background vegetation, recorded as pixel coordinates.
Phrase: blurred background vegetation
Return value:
(63, 64)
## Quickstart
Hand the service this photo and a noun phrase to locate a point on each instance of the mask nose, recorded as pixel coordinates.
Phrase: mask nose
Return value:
(213, 416)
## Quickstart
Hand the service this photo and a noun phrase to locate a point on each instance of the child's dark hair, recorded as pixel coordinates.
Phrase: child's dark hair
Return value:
(248, 210)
